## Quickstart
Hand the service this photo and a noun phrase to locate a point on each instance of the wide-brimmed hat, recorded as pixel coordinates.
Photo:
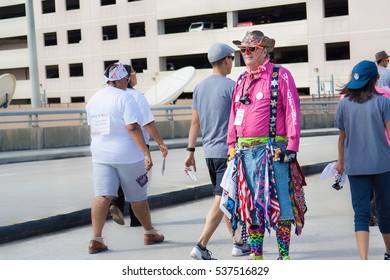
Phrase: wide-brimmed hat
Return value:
(256, 38)
(381, 55)
(219, 51)
(362, 73)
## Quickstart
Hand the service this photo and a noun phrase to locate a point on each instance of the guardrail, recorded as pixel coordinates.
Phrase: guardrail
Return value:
(34, 117)
(319, 106)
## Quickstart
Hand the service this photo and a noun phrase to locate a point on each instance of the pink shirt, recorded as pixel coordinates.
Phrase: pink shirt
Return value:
(385, 91)
(255, 122)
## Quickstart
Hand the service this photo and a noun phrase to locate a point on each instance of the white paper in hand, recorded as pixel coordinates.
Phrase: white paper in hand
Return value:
(329, 171)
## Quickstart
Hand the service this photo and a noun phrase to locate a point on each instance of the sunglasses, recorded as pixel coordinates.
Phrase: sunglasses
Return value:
(245, 100)
(250, 49)
(230, 56)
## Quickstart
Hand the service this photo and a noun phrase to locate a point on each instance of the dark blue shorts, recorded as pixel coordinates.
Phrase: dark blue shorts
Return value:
(216, 167)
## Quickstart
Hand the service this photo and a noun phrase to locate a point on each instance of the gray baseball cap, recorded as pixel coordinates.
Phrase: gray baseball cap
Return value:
(381, 55)
(219, 51)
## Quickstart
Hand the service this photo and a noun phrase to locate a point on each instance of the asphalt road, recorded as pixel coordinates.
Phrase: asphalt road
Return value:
(327, 235)
(39, 189)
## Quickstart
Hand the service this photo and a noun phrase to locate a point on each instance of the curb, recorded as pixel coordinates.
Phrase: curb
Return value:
(84, 151)
(83, 217)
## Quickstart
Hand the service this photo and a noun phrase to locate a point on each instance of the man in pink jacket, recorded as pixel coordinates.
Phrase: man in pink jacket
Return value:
(264, 133)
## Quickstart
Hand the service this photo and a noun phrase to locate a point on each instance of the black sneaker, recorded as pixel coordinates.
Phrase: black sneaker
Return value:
(198, 253)
(387, 257)
(135, 223)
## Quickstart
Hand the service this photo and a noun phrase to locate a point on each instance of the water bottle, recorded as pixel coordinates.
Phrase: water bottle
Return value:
(191, 173)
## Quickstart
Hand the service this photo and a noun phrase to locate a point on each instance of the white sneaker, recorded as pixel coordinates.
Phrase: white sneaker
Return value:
(198, 254)
(241, 249)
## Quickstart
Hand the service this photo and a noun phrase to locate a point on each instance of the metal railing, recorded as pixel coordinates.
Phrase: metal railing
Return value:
(34, 117)
(319, 106)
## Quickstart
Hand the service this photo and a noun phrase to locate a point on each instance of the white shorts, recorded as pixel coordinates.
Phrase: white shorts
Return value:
(132, 178)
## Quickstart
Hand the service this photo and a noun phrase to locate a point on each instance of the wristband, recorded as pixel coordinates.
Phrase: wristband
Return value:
(189, 149)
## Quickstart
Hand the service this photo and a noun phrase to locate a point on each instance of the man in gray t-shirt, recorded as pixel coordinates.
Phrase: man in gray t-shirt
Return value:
(382, 61)
(212, 100)
(211, 105)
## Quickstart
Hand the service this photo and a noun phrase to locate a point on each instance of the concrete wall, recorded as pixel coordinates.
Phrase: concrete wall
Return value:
(69, 136)
(21, 139)
(313, 121)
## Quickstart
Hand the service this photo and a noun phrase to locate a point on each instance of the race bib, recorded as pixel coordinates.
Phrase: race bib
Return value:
(100, 124)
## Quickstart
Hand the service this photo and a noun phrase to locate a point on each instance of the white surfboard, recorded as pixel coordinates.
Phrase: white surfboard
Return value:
(169, 88)
(7, 89)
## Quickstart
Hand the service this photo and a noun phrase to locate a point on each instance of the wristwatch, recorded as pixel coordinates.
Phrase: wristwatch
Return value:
(190, 149)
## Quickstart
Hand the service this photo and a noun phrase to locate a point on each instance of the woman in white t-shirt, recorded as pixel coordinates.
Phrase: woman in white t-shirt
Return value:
(149, 128)
(119, 156)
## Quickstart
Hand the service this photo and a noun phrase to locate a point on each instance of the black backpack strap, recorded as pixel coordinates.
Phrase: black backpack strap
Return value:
(273, 102)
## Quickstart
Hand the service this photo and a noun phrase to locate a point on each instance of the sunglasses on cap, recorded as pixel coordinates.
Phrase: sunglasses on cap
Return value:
(250, 49)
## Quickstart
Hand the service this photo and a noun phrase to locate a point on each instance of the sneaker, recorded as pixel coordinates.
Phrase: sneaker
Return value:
(387, 257)
(253, 257)
(117, 215)
(199, 254)
(241, 249)
(285, 258)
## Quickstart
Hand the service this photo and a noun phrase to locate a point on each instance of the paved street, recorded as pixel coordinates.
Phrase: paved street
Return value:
(65, 184)
(47, 188)
(35, 190)
(327, 235)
